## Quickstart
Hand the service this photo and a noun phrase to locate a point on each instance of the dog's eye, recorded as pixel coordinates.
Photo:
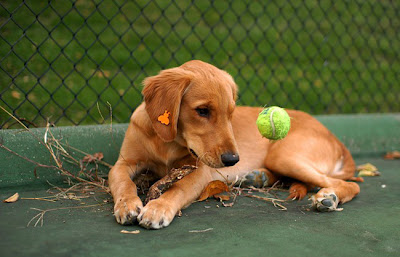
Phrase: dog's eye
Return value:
(203, 112)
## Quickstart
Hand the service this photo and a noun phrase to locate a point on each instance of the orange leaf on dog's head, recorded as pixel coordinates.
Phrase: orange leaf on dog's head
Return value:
(213, 188)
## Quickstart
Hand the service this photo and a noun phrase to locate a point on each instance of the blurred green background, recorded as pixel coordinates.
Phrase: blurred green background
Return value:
(73, 61)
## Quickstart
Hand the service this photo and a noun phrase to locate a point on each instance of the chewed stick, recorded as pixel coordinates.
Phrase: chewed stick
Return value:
(166, 182)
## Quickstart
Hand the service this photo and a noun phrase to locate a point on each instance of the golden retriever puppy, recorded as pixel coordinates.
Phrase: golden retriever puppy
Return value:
(189, 117)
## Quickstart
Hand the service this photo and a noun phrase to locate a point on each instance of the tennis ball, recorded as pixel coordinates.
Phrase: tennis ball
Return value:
(273, 123)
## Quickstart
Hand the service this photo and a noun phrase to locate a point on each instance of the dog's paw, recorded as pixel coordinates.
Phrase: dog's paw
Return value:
(127, 209)
(326, 202)
(156, 214)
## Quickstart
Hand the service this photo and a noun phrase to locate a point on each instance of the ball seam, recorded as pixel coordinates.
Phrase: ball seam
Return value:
(272, 122)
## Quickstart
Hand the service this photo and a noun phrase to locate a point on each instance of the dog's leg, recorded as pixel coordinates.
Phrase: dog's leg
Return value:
(127, 204)
(159, 213)
(333, 190)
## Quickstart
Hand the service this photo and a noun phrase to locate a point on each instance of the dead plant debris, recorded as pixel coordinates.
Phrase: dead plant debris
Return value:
(89, 158)
(83, 184)
(215, 187)
(12, 199)
(392, 155)
(367, 170)
(130, 232)
(201, 231)
(166, 182)
(40, 216)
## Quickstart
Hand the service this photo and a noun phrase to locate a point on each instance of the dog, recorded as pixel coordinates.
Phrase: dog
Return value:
(189, 117)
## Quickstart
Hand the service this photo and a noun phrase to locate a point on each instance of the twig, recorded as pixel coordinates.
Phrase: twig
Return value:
(226, 179)
(41, 213)
(27, 159)
(268, 199)
(166, 182)
(85, 153)
(22, 119)
(200, 231)
(37, 198)
(52, 153)
(27, 129)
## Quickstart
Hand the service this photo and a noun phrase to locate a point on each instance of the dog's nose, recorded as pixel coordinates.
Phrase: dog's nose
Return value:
(229, 159)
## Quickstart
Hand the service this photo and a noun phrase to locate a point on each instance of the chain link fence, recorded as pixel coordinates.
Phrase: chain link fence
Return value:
(82, 62)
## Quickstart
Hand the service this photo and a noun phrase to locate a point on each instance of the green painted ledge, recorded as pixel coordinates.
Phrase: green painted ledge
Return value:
(368, 225)
(368, 134)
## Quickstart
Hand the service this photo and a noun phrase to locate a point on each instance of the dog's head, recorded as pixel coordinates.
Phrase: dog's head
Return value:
(193, 105)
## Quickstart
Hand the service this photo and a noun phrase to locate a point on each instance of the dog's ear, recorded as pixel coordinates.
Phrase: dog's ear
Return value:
(163, 94)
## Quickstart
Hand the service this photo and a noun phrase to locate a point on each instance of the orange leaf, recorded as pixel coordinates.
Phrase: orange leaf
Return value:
(12, 198)
(213, 188)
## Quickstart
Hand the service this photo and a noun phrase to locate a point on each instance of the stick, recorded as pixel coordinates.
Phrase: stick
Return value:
(27, 159)
(166, 182)
(200, 231)
(268, 199)
(41, 213)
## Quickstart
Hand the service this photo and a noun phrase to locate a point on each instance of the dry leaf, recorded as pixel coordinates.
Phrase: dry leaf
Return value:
(367, 166)
(91, 158)
(130, 232)
(368, 173)
(12, 198)
(213, 188)
(367, 170)
(392, 155)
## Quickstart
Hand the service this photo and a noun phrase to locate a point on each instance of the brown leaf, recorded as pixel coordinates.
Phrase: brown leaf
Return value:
(12, 198)
(91, 158)
(213, 188)
(392, 155)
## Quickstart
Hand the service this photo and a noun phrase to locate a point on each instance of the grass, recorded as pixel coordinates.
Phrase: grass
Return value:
(59, 60)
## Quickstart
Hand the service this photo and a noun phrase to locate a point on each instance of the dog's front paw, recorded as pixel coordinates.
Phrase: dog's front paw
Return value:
(156, 214)
(126, 209)
(326, 202)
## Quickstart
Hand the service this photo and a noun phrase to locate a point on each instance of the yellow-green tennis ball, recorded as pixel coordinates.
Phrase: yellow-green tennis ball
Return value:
(273, 123)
